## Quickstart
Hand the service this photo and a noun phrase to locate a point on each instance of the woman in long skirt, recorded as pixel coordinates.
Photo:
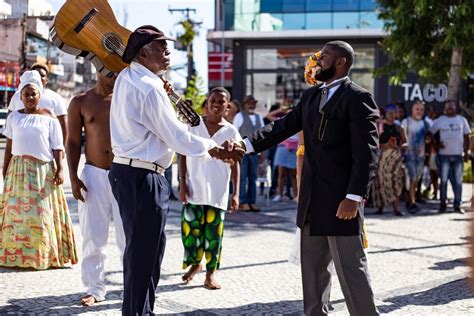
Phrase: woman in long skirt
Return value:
(35, 226)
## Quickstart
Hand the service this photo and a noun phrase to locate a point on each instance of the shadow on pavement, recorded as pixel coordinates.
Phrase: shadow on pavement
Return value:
(64, 304)
(443, 294)
(449, 265)
(273, 308)
(418, 248)
(243, 266)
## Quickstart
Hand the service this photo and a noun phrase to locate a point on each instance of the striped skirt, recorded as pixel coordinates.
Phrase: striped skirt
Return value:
(35, 227)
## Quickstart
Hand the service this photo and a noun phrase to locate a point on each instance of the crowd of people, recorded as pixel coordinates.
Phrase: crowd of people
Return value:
(420, 150)
(132, 132)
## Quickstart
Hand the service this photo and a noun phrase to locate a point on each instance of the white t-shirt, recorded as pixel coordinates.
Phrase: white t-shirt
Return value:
(49, 100)
(451, 133)
(34, 135)
(208, 178)
(415, 131)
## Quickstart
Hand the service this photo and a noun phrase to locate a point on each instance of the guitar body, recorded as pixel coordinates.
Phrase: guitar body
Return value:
(88, 28)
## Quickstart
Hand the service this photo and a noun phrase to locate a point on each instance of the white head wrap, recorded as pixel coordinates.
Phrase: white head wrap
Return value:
(31, 77)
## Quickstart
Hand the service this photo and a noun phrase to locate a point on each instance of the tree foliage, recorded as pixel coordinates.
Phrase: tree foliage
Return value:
(195, 93)
(189, 32)
(422, 35)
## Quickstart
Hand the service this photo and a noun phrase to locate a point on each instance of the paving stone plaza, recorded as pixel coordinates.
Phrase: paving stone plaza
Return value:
(417, 265)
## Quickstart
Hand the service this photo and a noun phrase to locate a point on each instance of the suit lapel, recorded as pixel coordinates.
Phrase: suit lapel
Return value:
(324, 113)
(327, 108)
(313, 103)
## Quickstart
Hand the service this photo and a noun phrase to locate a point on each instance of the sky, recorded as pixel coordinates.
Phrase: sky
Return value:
(155, 12)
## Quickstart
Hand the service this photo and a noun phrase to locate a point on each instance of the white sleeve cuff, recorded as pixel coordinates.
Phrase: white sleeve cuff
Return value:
(248, 146)
(354, 197)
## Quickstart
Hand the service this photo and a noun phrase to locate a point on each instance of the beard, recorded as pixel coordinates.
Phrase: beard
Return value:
(326, 74)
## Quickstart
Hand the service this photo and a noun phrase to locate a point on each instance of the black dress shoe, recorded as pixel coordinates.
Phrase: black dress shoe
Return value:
(457, 209)
(413, 209)
(442, 208)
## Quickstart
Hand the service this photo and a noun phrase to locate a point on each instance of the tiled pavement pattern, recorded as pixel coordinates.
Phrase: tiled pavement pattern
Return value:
(417, 264)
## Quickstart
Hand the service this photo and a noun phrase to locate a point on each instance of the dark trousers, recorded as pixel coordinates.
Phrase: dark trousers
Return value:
(142, 196)
(350, 261)
(248, 178)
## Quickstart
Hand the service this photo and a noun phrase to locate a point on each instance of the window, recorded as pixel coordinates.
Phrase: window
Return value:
(364, 58)
(293, 6)
(363, 79)
(294, 21)
(346, 20)
(368, 5)
(346, 5)
(319, 21)
(318, 5)
(370, 20)
(271, 6)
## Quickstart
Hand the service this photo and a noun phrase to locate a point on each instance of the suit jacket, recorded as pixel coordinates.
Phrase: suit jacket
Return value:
(341, 154)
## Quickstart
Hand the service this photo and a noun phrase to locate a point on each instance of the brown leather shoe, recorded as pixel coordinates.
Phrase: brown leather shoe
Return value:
(254, 208)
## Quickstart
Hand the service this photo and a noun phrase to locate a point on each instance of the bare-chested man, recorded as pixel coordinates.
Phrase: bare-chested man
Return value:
(90, 110)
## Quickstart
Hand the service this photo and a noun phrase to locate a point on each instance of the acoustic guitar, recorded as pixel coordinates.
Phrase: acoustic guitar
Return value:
(88, 28)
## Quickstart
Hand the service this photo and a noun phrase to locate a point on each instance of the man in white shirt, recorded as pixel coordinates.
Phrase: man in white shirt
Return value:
(246, 122)
(145, 132)
(454, 133)
(49, 99)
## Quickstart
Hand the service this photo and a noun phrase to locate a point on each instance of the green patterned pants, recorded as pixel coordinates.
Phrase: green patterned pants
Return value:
(202, 229)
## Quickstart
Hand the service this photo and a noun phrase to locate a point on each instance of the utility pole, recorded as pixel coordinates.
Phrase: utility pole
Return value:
(23, 43)
(222, 18)
(189, 48)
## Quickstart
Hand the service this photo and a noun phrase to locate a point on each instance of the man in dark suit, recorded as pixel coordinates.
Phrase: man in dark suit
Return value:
(338, 119)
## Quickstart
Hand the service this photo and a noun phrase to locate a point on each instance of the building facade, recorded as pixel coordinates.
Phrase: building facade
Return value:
(24, 40)
(270, 41)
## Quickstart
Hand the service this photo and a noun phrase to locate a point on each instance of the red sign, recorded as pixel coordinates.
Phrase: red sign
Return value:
(216, 62)
(9, 75)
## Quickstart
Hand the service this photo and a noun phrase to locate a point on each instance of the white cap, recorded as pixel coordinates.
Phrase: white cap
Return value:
(31, 77)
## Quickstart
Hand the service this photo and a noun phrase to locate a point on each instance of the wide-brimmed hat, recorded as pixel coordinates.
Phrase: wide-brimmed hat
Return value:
(250, 99)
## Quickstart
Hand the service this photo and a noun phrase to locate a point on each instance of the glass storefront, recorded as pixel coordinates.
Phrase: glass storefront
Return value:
(275, 75)
(272, 15)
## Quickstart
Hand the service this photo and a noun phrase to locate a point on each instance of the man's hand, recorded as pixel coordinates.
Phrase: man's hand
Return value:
(77, 185)
(234, 205)
(229, 152)
(58, 177)
(347, 209)
(183, 191)
(167, 86)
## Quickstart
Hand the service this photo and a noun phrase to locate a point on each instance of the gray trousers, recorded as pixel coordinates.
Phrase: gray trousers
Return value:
(350, 261)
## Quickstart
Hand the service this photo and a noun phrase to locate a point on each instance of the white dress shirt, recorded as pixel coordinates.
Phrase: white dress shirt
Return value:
(239, 120)
(34, 135)
(208, 179)
(49, 100)
(143, 123)
(334, 86)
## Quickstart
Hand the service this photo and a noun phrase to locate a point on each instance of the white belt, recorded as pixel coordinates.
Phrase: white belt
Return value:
(140, 164)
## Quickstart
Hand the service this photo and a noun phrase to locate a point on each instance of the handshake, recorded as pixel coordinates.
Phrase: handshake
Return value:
(230, 151)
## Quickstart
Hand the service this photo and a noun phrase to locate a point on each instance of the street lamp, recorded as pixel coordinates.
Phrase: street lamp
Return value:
(222, 41)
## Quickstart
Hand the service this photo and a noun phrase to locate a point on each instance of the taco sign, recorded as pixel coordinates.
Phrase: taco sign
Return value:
(429, 92)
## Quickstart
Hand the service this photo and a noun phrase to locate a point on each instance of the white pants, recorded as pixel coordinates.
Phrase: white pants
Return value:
(95, 214)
